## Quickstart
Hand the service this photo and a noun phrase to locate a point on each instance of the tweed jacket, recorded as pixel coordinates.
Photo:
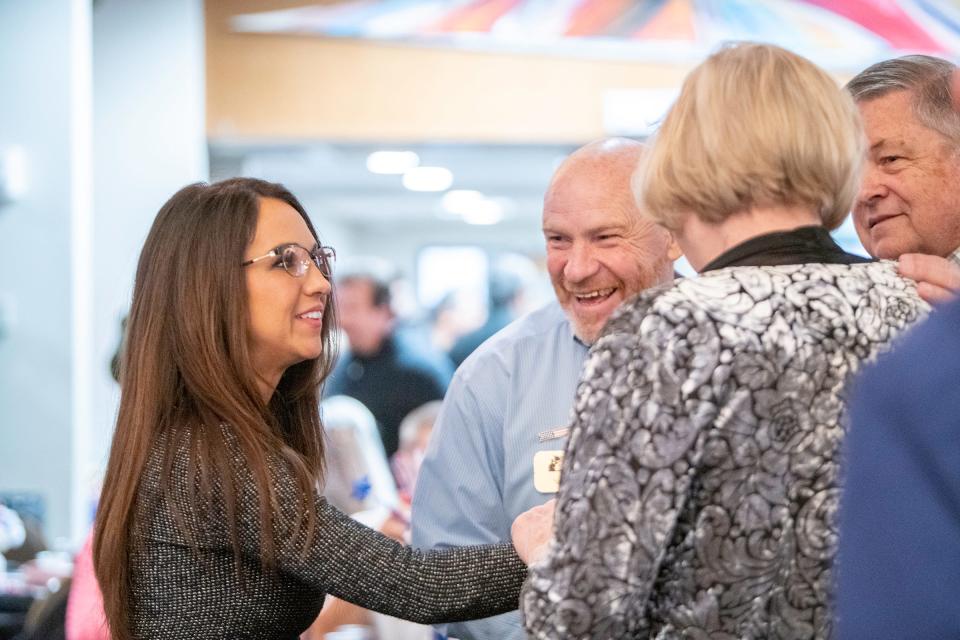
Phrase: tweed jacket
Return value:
(701, 476)
(186, 584)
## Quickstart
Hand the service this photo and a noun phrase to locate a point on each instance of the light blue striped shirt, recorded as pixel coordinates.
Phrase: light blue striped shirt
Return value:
(478, 472)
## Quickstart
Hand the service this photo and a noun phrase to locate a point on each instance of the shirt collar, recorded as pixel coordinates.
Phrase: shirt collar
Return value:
(798, 246)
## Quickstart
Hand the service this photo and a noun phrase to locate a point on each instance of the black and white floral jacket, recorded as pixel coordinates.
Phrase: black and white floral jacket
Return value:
(700, 485)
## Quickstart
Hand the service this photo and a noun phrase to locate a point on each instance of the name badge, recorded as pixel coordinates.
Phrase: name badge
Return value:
(546, 471)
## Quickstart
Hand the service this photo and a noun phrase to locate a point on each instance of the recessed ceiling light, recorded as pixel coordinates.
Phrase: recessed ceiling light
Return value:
(484, 212)
(460, 201)
(428, 179)
(392, 162)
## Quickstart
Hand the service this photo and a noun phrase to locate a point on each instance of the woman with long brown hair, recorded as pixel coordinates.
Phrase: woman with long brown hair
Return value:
(210, 522)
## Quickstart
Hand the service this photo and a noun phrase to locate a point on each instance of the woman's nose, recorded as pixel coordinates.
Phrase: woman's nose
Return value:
(316, 282)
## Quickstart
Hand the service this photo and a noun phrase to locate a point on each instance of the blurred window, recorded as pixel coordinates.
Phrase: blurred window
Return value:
(442, 270)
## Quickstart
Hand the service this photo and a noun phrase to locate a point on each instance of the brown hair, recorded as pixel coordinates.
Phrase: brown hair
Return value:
(187, 371)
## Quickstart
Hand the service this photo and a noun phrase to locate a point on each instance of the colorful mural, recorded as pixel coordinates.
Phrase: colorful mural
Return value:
(836, 33)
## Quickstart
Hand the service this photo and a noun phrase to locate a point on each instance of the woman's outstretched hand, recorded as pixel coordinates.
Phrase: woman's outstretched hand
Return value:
(532, 530)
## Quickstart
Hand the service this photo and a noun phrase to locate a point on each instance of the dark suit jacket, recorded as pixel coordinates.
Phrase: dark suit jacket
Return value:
(401, 377)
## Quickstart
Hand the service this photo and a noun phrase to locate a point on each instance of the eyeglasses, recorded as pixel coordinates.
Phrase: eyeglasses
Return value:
(296, 260)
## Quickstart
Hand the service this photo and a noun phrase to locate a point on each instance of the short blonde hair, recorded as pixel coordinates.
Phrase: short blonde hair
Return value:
(755, 125)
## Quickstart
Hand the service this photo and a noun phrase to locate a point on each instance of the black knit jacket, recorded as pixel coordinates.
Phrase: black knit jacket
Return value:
(185, 591)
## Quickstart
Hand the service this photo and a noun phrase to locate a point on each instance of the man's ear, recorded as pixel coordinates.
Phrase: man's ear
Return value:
(674, 251)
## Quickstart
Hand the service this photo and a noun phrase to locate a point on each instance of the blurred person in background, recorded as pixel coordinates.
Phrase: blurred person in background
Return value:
(700, 489)
(444, 322)
(388, 372)
(455, 314)
(415, 431)
(506, 287)
(358, 479)
(495, 449)
(27, 509)
(33, 595)
(12, 533)
(84, 615)
(909, 201)
(210, 523)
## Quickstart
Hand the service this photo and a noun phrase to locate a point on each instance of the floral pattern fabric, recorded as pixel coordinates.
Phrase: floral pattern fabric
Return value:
(700, 486)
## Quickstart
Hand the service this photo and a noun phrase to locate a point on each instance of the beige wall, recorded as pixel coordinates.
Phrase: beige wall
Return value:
(295, 87)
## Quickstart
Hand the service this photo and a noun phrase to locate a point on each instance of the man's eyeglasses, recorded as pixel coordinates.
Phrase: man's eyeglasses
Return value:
(296, 260)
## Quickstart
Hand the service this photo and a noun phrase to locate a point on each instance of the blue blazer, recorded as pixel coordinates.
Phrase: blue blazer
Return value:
(899, 565)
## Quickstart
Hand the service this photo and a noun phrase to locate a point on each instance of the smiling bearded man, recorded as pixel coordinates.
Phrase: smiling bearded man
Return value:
(497, 444)
(600, 249)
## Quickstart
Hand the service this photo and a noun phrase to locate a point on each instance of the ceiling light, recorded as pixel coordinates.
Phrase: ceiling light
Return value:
(392, 162)
(428, 179)
(460, 201)
(484, 212)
